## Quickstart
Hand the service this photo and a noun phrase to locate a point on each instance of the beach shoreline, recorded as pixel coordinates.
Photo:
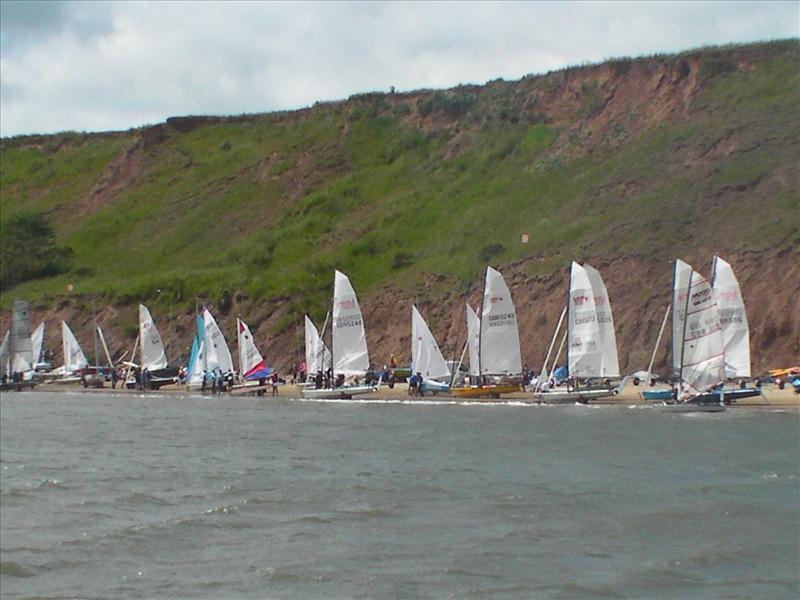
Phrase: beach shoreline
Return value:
(771, 396)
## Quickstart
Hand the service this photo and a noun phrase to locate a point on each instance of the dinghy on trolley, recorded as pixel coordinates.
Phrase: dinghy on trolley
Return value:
(591, 343)
(350, 358)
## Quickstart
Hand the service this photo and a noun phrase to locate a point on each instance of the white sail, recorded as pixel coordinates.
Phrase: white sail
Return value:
(702, 356)
(733, 318)
(500, 352)
(473, 341)
(350, 356)
(318, 357)
(218, 356)
(680, 287)
(605, 323)
(426, 358)
(5, 362)
(585, 347)
(251, 363)
(21, 351)
(74, 358)
(37, 341)
(152, 348)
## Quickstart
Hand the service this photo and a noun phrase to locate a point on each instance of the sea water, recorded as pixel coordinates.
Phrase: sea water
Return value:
(187, 497)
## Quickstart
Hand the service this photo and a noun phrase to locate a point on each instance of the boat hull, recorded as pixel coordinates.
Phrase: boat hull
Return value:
(340, 393)
(574, 396)
(729, 395)
(692, 407)
(429, 386)
(487, 391)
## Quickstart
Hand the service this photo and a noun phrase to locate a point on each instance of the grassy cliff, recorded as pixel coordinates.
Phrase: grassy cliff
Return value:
(416, 193)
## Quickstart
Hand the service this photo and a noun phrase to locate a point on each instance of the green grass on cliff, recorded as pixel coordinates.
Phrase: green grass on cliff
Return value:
(269, 205)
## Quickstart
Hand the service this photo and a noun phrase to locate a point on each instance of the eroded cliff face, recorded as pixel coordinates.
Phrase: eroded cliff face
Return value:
(639, 289)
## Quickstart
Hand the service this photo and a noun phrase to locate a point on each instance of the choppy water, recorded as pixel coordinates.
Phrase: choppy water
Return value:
(163, 497)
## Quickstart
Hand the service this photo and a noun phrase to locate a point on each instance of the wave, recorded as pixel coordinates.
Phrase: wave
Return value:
(9, 568)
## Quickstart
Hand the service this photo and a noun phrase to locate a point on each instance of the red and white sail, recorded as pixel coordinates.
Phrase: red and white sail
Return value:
(251, 363)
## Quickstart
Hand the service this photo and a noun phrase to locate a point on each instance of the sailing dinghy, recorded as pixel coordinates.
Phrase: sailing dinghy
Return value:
(253, 368)
(350, 358)
(19, 364)
(700, 354)
(592, 342)
(426, 358)
(74, 358)
(734, 331)
(318, 357)
(152, 355)
(498, 364)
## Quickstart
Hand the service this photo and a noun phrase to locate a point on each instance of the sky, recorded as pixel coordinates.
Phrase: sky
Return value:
(98, 66)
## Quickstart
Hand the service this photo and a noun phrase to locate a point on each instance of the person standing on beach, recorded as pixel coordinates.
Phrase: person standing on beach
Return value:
(274, 383)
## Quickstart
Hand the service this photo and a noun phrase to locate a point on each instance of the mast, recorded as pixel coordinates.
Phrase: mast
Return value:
(683, 336)
(658, 341)
(480, 336)
(550, 349)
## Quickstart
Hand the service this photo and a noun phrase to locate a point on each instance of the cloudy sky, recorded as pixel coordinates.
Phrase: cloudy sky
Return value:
(93, 66)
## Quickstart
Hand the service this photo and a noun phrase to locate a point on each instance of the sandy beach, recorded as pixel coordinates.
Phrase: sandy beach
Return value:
(631, 394)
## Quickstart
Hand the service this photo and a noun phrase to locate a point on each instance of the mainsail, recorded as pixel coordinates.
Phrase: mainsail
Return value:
(152, 348)
(5, 362)
(251, 363)
(585, 347)
(197, 357)
(426, 358)
(218, 356)
(733, 318)
(473, 341)
(680, 289)
(350, 356)
(21, 351)
(499, 344)
(702, 358)
(605, 324)
(37, 341)
(318, 357)
(74, 358)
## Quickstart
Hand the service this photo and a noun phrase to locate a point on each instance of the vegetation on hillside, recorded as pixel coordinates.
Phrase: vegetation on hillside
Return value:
(629, 157)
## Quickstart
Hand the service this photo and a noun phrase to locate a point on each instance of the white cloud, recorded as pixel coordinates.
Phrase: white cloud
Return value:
(96, 66)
